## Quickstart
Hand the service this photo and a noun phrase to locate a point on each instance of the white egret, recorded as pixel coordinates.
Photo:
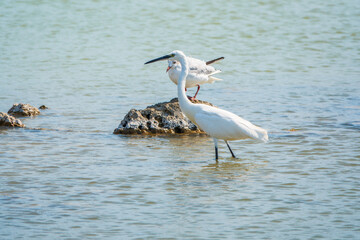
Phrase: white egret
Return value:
(218, 123)
(200, 72)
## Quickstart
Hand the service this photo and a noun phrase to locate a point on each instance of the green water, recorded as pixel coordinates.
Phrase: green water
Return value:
(288, 65)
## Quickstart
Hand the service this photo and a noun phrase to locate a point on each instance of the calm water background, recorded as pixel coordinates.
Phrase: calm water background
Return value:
(288, 65)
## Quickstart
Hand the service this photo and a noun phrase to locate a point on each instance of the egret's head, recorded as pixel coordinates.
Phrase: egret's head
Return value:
(174, 55)
(177, 55)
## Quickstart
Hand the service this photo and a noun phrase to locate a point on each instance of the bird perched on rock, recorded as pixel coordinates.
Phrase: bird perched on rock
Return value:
(200, 72)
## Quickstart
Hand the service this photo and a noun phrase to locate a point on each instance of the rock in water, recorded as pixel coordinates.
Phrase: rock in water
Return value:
(161, 118)
(20, 109)
(9, 121)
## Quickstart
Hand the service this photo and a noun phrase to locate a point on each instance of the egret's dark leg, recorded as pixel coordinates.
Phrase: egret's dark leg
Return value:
(216, 149)
(230, 149)
(216, 153)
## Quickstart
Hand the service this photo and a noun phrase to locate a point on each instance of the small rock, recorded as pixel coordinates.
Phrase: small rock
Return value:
(42, 107)
(10, 121)
(20, 109)
(161, 118)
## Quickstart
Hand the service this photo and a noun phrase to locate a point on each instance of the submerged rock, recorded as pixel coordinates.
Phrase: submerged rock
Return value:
(161, 118)
(10, 121)
(43, 107)
(20, 109)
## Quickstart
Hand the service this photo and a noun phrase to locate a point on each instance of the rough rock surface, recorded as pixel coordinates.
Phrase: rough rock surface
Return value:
(9, 121)
(20, 109)
(161, 118)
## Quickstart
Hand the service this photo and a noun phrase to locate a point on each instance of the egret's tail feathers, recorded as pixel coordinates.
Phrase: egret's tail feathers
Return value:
(214, 60)
(262, 134)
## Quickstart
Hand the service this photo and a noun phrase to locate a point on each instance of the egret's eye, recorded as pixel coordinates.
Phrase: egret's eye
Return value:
(172, 55)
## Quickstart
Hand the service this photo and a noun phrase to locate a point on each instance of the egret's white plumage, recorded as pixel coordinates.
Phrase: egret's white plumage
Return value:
(218, 123)
(200, 72)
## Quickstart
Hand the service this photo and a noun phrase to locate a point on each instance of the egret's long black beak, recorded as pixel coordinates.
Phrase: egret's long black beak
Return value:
(159, 59)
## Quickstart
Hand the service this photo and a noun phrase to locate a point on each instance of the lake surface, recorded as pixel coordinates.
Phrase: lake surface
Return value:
(292, 68)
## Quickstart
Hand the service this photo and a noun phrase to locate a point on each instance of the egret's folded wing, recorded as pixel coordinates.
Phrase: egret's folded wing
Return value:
(226, 125)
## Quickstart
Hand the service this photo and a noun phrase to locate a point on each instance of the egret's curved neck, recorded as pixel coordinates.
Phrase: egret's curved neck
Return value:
(183, 100)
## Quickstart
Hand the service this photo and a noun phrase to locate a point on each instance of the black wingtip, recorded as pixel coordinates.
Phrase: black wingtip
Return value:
(214, 60)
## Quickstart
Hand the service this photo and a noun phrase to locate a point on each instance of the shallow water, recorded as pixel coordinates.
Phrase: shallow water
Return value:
(292, 68)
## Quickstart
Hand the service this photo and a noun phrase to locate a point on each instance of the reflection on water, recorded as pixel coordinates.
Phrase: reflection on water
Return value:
(291, 67)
